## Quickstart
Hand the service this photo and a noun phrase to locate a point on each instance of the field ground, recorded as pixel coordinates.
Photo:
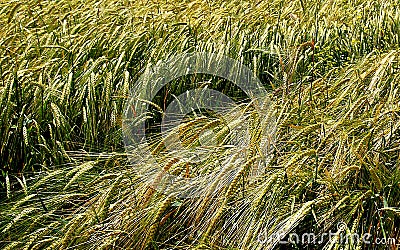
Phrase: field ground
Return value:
(332, 73)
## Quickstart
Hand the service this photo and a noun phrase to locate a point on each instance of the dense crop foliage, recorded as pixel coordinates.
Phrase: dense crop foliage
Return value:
(332, 69)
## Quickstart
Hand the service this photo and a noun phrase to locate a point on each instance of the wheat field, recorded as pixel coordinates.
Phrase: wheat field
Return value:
(331, 70)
